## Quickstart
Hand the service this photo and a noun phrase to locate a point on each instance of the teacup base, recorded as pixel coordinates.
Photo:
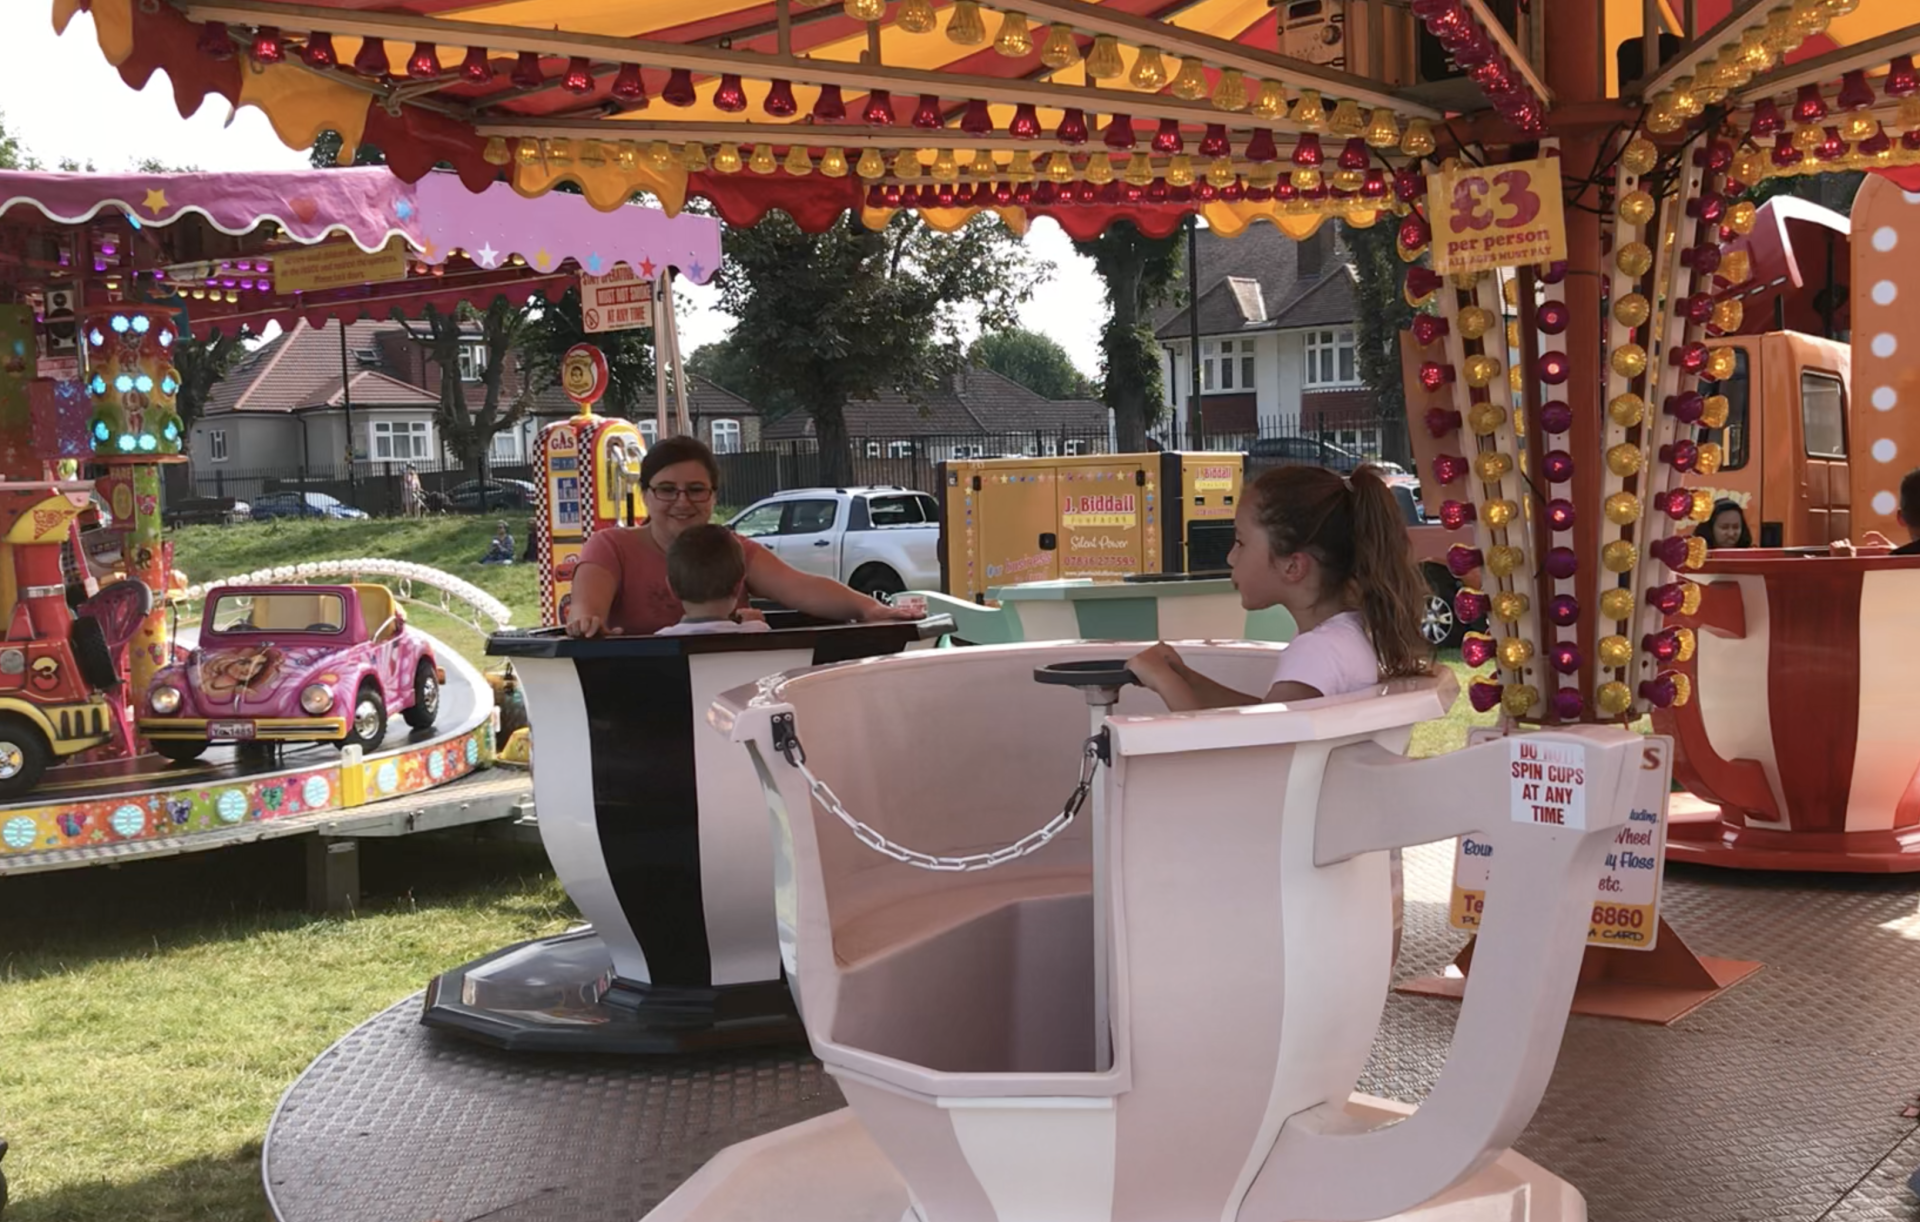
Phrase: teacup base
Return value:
(1698, 832)
(828, 1169)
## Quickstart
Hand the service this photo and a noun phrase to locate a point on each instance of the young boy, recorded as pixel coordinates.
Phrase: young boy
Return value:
(706, 569)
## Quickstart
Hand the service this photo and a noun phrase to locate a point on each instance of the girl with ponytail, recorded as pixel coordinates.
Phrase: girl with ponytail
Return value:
(1332, 550)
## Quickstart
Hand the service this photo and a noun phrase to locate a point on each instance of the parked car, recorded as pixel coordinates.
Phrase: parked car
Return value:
(477, 496)
(294, 663)
(271, 505)
(206, 511)
(878, 540)
(1269, 452)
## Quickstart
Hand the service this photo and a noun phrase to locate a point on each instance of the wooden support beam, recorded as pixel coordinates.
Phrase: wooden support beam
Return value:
(1745, 15)
(1218, 52)
(1873, 53)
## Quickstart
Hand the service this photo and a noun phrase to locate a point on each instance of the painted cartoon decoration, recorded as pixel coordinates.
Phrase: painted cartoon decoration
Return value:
(131, 376)
(588, 479)
(1886, 332)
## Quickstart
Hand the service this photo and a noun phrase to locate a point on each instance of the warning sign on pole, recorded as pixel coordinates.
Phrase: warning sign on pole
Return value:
(1626, 906)
(618, 301)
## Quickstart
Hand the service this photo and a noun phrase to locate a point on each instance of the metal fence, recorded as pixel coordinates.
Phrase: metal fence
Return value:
(777, 466)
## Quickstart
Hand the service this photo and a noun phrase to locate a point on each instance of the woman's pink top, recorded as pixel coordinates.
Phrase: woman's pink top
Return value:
(643, 602)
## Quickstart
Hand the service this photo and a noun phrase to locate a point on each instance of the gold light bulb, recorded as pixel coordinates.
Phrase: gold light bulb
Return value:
(1014, 40)
(1191, 84)
(1271, 102)
(945, 168)
(1230, 93)
(1720, 363)
(870, 166)
(726, 159)
(1180, 171)
(1636, 207)
(1481, 370)
(1614, 651)
(1623, 459)
(1509, 606)
(1475, 322)
(1622, 508)
(1519, 698)
(1139, 171)
(798, 163)
(1714, 414)
(1619, 556)
(1627, 410)
(1060, 49)
(1383, 131)
(1060, 168)
(1149, 70)
(762, 161)
(906, 165)
(1103, 61)
(1515, 652)
(1492, 465)
(1504, 561)
(1613, 699)
(1220, 172)
(1632, 310)
(1617, 604)
(1418, 140)
(1099, 169)
(1709, 458)
(1635, 259)
(693, 155)
(833, 163)
(966, 27)
(866, 10)
(1346, 119)
(1308, 113)
(1728, 315)
(1484, 419)
(1736, 267)
(916, 17)
(1629, 360)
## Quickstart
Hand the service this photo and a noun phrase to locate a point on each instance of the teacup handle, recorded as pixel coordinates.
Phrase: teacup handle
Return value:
(1329, 1166)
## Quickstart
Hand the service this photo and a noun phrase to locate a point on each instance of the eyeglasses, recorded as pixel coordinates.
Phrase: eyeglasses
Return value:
(695, 493)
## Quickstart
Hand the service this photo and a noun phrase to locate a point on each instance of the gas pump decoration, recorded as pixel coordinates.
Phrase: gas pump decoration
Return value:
(589, 477)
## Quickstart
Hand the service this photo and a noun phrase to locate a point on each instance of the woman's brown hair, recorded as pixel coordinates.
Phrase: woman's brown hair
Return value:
(1354, 529)
(677, 450)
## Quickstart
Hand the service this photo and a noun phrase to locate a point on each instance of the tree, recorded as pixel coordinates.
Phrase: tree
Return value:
(1140, 274)
(13, 154)
(723, 362)
(325, 153)
(1381, 312)
(1035, 361)
(557, 327)
(832, 317)
(469, 431)
(202, 365)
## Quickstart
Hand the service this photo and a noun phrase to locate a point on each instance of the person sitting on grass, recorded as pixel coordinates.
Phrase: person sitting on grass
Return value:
(501, 549)
(707, 571)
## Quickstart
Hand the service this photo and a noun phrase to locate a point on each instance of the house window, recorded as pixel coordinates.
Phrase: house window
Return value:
(400, 439)
(217, 445)
(649, 432)
(1330, 360)
(961, 452)
(899, 449)
(506, 446)
(873, 449)
(1226, 364)
(726, 437)
(1073, 445)
(473, 362)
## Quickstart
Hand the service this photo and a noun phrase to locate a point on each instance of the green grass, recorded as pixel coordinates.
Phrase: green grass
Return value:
(153, 1015)
(452, 543)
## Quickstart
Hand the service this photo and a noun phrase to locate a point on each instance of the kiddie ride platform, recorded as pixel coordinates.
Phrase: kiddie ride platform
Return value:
(91, 813)
(1004, 986)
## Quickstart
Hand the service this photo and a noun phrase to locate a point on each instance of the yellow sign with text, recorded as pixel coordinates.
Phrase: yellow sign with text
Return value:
(1485, 217)
(338, 265)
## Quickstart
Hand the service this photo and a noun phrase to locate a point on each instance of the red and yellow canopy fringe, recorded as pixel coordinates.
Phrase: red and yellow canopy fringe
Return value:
(1082, 110)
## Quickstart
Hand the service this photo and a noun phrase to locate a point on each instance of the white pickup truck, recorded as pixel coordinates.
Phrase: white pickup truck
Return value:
(880, 540)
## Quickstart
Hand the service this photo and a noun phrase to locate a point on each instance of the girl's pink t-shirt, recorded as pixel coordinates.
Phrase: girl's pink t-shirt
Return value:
(643, 602)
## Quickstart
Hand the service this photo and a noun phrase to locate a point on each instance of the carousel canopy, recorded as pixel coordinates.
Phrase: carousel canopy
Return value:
(1073, 108)
(246, 249)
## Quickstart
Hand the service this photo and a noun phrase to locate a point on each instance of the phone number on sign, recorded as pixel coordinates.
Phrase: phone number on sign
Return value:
(1617, 924)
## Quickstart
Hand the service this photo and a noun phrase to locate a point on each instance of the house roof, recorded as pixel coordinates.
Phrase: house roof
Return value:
(974, 403)
(1253, 283)
(705, 400)
(373, 389)
(293, 369)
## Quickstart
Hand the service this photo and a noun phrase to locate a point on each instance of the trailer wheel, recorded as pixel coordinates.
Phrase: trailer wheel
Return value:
(877, 581)
(1438, 624)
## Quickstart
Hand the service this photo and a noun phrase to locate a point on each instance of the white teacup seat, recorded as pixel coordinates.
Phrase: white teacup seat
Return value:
(1246, 900)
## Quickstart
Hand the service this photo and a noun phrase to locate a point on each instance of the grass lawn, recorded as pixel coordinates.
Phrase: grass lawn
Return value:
(155, 1013)
(452, 543)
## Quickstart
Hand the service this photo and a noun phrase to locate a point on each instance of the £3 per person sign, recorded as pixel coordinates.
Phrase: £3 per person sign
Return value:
(1507, 215)
(1547, 786)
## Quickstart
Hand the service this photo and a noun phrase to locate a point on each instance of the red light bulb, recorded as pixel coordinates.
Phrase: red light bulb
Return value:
(879, 108)
(1663, 645)
(1563, 610)
(1552, 317)
(1766, 121)
(1414, 232)
(1485, 697)
(1476, 650)
(267, 46)
(527, 74)
(1119, 133)
(1408, 185)
(1168, 139)
(876, 197)
(424, 63)
(214, 42)
(1670, 551)
(1902, 81)
(1554, 367)
(728, 95)
(1877, 143)
(1568, 704)
(1025, 124)
(476, 68)
(1442, 422)
(1461, 559)
(1455, 515)
(943, 196)
(1306, 152)
(1003, 193)
(1205, 191)
(1557, 465)
(927, 113)
(780, 102)
(1044, 193)
(1553, 273)
(1682, 454)
(1561, 514)
(1422, 280)
(1470, 606)
(1809, 106)
(893, 195)
(1699, 307)
(1677, 504)
(1375, 186)
(1354, 155)
(1668, 599)
(1434, 375)
(976, 120)
(1832, 148)
(1659, 691)
(1687, 407)
(371, 60)
(1562, 563)
(1564, 657)
(1261, 148)
(1087, 193)
(1215, 142)
(1855, 93)
(319, 52)
(1233, 191)
(1073, 127)
(1690, 357)
(829, 107)
(1555, 417)
(1427, 328)
(1157, 191)
(1784, 154)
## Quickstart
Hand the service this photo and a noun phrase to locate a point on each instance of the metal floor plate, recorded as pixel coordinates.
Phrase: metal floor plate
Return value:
(1780, 1099)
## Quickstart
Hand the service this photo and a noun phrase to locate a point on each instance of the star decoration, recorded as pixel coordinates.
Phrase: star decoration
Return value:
(646, 268)
(541, 258)
(696, 271)
(403, 209)
(594, 263)
(487, 255)
(156, 200)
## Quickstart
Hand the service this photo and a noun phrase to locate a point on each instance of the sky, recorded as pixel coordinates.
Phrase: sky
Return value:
(62, 99)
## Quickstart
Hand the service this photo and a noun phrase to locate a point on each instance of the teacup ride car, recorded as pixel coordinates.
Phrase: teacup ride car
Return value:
(940, 912)
(294, 663)
(657, 829)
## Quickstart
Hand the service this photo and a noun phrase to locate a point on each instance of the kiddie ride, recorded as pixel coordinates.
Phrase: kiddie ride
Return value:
(1029, 1011)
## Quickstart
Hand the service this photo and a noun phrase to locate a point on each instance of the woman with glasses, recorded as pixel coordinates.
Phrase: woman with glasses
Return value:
(620, 585)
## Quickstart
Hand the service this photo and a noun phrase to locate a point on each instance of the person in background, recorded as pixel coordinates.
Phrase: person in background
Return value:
(707, 570)
(532, 537)
(1908, 515)
(620, 585)
(501, 550)
(413, 500)
(1333, 551)
(1726, 528)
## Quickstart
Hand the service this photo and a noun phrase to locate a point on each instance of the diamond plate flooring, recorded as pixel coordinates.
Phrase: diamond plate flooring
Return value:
(1780, 1099)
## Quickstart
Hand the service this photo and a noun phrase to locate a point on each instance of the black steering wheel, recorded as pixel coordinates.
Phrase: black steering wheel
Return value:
(1106, 672)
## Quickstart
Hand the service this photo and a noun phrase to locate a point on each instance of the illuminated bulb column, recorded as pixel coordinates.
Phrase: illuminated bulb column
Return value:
(131, 376)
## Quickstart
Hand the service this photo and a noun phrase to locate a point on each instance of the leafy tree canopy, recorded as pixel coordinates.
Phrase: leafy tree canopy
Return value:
(1035, 361)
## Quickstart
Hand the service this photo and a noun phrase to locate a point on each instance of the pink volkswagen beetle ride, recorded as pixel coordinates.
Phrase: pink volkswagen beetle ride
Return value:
(294, 663)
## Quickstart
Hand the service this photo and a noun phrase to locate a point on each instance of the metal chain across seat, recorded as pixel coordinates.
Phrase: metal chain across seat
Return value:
(787, 742)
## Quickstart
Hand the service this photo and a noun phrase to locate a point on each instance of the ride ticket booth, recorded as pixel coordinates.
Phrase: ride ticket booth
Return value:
(657, 827)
